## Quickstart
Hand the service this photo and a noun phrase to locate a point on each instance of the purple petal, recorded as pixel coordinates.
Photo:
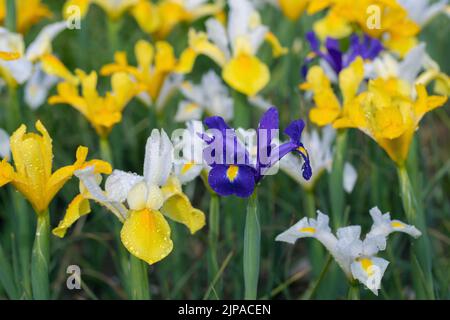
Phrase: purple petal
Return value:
(225, 181)
(295, 129)
(313, 41)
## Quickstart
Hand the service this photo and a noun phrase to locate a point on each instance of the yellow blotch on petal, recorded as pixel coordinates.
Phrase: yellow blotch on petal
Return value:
(307, 230)
(366, 264)
(8, 56)
(77, 208)
(146, 235)
(246, 74)
(397, 224)
(232, 172)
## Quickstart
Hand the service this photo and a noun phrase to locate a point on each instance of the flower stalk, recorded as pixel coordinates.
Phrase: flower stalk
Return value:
(337, 194)
(40, 258)
(422, 275)
(213, 238)
(252, 250)
(138, 279)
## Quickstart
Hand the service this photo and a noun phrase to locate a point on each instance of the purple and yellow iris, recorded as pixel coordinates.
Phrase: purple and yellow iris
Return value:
(236, 170)
(363, 46)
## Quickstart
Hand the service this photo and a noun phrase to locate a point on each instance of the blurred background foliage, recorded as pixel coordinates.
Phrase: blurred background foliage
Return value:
(285, 270)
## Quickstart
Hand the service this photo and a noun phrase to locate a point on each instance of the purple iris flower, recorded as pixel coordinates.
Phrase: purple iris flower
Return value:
(233, 169)
(360, 46)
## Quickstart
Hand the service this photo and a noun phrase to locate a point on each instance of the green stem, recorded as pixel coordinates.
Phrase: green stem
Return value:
(40, 258)
(14, 113)
(105, 150)
(337, 194)
(138, 279)
(10, 21)
(242, 111)
(23, 242)
(113, 27)
(213, 238)
(353, 291)
(313, 288)
(421, 248)
(316, 253)
(252, 250)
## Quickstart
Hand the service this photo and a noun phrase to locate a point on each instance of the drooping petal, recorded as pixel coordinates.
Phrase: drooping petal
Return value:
(146, 235)
(246, 73)
(232, 179)
(369, 271)
(77, 208)
(178, 207)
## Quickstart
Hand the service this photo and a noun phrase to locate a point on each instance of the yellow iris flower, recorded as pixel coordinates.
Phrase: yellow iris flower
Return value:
(327, 107)
(159, 19)
(141, 203)
(155, 64)
(235, 49)
(389, 114)
(396, 29)
(33, 156)
(102, 112)
(28, 13)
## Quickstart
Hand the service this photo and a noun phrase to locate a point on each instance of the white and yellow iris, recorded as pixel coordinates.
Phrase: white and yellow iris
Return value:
(235, 49)
(34, 66)
(356, 257)
(210, 96)
(141, 203)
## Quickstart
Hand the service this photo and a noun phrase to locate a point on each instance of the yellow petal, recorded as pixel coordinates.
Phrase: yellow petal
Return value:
(246, 73)
(147, 16)
(57, 180)
(187, 61)
(293, 9)
(144, 54)
(332, 26)
(165, 59)
(350, 79)
(6, 173)
(277, 49)
(199, 42)
(77, 208)
(53, 66)
(32, 154)
(83, 6)
(146, 235)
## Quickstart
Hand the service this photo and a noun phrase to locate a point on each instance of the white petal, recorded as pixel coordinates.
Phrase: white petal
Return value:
(89, 181)
(170, 85)
(42, 44)
(158, 158)
(37, 87)
(188, 111)
(410, 67)
(370, 277)
(292, 234)
(218, 35)
(119, 184)
(350, 177)
(5, 150)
